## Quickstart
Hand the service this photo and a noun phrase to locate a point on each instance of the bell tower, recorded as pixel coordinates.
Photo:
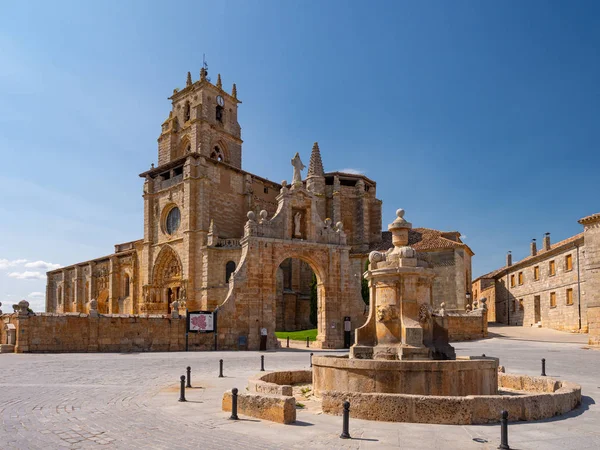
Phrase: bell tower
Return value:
(202, 120)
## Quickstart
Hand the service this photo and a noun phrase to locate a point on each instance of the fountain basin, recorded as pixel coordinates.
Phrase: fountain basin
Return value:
(463, 376)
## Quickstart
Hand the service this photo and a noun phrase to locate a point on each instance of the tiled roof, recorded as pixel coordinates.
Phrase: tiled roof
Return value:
(424, 239)
(540, 252)
(589, 219)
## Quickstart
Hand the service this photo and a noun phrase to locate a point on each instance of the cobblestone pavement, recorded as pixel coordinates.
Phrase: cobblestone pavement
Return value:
(129, 401)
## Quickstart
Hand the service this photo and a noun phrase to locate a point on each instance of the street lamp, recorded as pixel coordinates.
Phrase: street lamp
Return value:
(468, 297)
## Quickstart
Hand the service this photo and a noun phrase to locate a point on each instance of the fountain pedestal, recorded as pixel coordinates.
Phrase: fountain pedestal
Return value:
(402, 348)
(400, 324)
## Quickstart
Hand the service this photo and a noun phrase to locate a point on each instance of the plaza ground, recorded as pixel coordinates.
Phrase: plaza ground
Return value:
(129, 401)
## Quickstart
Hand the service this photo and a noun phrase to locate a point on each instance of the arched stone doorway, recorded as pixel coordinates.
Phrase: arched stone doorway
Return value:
(295, 231)
(167, 282)
(297, 296)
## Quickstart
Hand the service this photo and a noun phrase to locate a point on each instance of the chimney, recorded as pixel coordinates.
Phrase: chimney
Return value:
(509, 259)
(546, 241)
(533, 248)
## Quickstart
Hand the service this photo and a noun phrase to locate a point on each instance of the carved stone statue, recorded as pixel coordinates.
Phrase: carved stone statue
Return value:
(298, 168)
(93, 308)
(297, 218)
(23, 308)
(175, 310)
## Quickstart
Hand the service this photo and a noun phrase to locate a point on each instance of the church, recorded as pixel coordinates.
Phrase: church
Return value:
(218, 238)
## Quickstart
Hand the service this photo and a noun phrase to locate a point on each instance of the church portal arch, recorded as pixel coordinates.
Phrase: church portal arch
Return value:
(167, 279)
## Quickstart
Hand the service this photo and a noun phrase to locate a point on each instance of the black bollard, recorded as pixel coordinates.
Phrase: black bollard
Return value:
(483, 356)
(504, 431)
(346, 421)
(288, 342)
(220, 368)
(311, 355)
(543, 367)
(182, 390)
(234, 415)
(306, 341)
(189, 377)
(262, 363)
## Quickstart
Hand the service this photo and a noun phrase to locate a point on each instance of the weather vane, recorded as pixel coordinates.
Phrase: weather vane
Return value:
(205, 67)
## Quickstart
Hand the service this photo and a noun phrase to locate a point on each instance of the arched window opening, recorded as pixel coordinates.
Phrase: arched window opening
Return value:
(219, 113)
(127, 284)
(217, 154)
(188, 149)
(186, 112)
(229, 269)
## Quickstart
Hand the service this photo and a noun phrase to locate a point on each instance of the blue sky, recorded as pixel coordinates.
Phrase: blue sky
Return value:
(481, 117)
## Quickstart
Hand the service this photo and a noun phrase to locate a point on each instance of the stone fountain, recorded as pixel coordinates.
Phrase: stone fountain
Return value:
(402, 348)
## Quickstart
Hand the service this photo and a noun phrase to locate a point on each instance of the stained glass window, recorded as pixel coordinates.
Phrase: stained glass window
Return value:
(173, 220)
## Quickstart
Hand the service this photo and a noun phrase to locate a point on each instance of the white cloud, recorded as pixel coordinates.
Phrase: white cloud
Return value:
(5, 263)
(27, 275)
(36, 295)
(352, 171)
(463, 237)
(42, 265)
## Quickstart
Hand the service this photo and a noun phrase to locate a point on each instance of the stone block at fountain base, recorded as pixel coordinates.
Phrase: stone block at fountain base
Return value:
(460, 377)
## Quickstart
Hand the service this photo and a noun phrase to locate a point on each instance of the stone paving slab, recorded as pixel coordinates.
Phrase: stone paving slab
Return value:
(129, 401)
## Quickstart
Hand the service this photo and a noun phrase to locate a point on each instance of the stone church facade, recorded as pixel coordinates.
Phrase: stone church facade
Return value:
(218, 238)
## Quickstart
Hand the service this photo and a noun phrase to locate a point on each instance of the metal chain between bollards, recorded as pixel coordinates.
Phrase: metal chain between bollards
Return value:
(262, 363)
(543, 367)
(182, 389)
(189, 377)
(346, 421)
(220, 368)
(504, 432)
(234, 394)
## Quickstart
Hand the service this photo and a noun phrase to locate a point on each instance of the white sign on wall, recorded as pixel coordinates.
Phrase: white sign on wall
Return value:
(201, 322)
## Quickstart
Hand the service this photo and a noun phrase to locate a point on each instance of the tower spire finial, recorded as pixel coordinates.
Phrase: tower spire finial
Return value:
(219, 84)
(234, 91)
(315, 166)
(188, 81)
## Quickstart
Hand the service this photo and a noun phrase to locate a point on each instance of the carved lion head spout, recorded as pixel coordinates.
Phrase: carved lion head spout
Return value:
(386, 313)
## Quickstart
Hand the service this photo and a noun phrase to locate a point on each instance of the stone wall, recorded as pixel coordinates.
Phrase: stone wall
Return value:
(466, 326)
(74, 332)
(591, 266)
(593, 316)
(485, 288)
(5, 319)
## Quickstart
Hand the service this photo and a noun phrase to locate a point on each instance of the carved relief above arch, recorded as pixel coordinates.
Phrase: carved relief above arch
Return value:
(167, 267)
